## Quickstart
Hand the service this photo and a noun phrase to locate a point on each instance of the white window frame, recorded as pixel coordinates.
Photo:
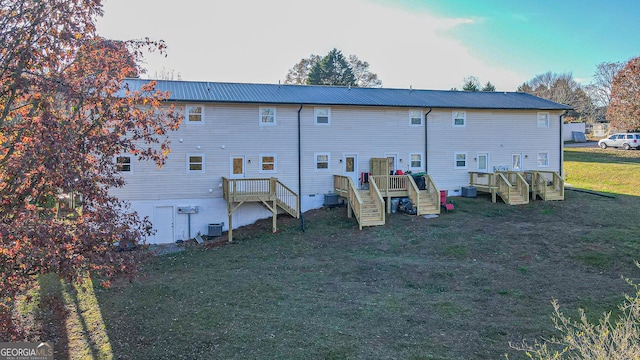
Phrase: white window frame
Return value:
(262, 163)
(316, 162)
(455, 160)
(188, 113)
(459, 114)
(261, 116)
(513, 157)
(189, 163)
(419, 167)
(545, 121)
(316, 112)
(415, 114)
(544, 157)
(130, 163)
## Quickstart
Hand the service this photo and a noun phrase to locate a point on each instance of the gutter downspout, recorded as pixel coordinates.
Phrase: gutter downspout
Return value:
(426, 147)
(560, 166)
(300, 173)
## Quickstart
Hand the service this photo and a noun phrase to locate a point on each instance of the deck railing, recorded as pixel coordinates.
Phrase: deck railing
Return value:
(261, 189)
(413, 192)
(430, 189)
(376, 195)
(485, 182)
(391, 185)
(512, 183)
(287, 199)
(547, 184)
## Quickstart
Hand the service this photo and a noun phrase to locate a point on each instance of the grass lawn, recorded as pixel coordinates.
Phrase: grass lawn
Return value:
(460, 286)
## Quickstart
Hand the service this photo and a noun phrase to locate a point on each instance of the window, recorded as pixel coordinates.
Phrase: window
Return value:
(543, 120)
(267, 116)
(123, 163)
(323, 116)
(543, 159)
(415, 161)
(322, 161)
(460, 160)
(194, 114)
(459, 118)
(268, 163)
(415, 117)
(195, 163)
(516, 162)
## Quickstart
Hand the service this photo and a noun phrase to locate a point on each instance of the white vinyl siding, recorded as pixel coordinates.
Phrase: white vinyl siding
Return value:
(268, 163)
(322, 116)
(415, 117)
(267, 116)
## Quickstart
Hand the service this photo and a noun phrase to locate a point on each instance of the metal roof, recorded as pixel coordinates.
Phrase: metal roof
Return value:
(195, 91)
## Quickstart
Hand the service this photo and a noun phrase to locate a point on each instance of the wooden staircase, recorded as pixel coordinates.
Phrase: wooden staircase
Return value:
(512, 187)
(368, 206)
(548, 185)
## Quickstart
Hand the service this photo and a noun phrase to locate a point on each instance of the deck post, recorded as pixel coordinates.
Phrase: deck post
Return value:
(230, 232)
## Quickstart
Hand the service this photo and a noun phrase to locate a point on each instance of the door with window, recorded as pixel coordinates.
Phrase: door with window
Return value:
(350, 167)
(516, 162)
(482, 162)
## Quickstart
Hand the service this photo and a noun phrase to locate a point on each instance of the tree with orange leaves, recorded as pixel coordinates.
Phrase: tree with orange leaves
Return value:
(65, 114)
(624, 108)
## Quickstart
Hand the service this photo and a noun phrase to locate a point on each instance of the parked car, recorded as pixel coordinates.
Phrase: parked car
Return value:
(624, 140)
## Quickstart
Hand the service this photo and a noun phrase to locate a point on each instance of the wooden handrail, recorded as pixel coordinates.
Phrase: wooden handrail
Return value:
(413, 192)
(377, 198)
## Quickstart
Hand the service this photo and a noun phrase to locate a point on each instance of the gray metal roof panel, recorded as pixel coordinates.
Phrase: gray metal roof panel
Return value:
(193, 91)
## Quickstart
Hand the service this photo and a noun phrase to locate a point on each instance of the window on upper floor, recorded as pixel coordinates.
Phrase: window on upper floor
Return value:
(322, 116)
(459, 118)
(543, 159)
(194, 114)
(543, 119)
(322, 161)
(195, 163)
(460, 160)
(267, 116)
(415, 117)
(268, 163)
(123, 163)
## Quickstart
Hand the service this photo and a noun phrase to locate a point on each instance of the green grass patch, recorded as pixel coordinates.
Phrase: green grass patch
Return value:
(460, 286)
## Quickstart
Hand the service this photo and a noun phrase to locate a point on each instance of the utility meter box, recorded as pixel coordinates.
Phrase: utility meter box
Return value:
(187, 209)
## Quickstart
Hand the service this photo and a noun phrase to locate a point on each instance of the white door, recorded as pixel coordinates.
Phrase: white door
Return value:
(516, 162)
(350, 167)
(482, 162)
(163, 219)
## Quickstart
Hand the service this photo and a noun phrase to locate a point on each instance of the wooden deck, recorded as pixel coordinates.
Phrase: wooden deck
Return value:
(368, 205)
(270, 192)
(516, 188)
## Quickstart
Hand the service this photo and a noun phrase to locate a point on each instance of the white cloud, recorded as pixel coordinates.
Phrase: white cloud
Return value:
(258, 41)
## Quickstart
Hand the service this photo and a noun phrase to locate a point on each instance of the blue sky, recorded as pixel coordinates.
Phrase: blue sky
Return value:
(424, 44)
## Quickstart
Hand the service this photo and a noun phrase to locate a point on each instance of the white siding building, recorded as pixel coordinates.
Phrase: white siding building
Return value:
(303, 135)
